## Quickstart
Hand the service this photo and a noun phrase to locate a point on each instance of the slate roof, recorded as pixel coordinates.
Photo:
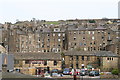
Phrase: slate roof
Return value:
(91, 53)
(100, 27)
(36, 56)
(89, 28)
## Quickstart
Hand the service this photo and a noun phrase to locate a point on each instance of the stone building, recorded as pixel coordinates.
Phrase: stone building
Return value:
(35, 63)
(48, 40)
(88, 39)
(104, 60)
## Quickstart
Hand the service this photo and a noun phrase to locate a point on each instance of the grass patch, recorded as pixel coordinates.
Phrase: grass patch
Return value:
(52, 22)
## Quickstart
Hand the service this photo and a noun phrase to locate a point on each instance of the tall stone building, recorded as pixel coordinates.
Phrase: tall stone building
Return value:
(50, 40)
(89, 39)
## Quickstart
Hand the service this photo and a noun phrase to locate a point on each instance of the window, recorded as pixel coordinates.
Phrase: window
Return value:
(102, 37)
(71, 65)
(27, 62)
(58, 45)
(77, 66)
(88, 32)
(88, 58)
(63, 34)
(71, 57)
(48, 34)
(98, 31)
(83, 38)
(59, 34)
(48, 51)
(74, 32)
(80, 44)
(91, 43)
(88, 48)
(59, 50)
(44, 50)
(77, 58)
(94, 42)
(42, 45)
(75, 44)
(48, 45)
(55, 63)
(48, 40)
(74, 38)
(39, 39)
(91, 48)
(85, 49)
(93, 38)
(16, 62)
(83, 58)
(79, 32)
(59, 40)
(84, 43)
(53, 34)
(112, 58)
(108, 32)
(45, 63)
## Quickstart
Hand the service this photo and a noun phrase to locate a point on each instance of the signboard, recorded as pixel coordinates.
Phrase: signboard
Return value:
(37, 62)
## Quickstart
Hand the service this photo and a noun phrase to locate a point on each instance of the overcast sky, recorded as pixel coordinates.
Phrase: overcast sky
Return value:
(10, 10)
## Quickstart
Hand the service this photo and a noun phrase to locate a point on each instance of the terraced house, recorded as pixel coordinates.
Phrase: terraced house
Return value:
(97, 59)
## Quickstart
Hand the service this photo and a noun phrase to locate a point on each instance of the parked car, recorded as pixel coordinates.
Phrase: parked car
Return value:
(54, 72)
(77, 71)
(94, 73)
(47, 75)
(82, 72)
(66, 71)
(97, 73)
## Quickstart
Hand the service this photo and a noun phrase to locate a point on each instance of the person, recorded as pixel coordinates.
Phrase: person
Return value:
(74, 76)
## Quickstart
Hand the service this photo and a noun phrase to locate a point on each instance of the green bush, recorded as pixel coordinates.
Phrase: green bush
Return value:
(115, 71)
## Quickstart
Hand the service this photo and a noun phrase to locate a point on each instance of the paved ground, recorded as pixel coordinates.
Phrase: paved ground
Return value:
(18, 76)
(15, 75)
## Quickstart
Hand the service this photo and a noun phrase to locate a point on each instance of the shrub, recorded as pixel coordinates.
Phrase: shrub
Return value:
(115, 71)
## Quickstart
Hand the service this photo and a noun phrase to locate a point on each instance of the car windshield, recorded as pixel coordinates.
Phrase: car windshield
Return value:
(55, 70)
(92, 72)
(82, 70)
(66, 69)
